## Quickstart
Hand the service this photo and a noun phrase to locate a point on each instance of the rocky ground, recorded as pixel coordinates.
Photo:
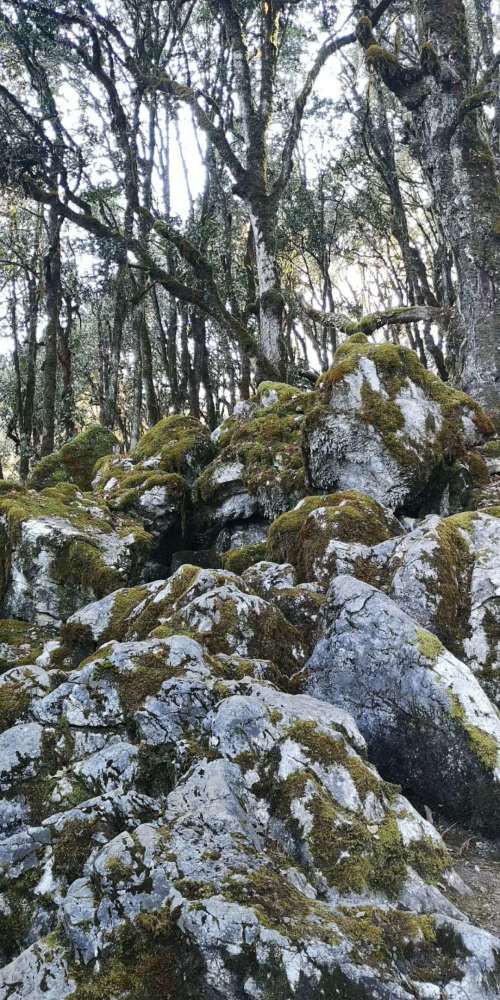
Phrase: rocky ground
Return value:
(240, 676)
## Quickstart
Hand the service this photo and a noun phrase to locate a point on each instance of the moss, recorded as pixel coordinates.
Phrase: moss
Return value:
(428, 645)
(191, 889)
(482, 744)
(117, 870)
(23, 640)
(75, 461)
(284, 392)
(81, 564)
(238, 560)
(386, 937)
(17, 918)
(14, 701)
(452, 563)
(177, 440)
(145, 680)
(144, 962)
(329, 750)
(395, 365)
(281, 907)
(477, 468)
(350, 516)
(492, 448)
(63, 501)
(72, 849)
(133, 485)
(375, 54)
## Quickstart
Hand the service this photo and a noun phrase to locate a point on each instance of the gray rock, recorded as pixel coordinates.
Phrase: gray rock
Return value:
(427, 721)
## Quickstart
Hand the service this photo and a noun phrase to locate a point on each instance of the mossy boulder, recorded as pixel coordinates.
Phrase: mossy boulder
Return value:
(60, 549)
(152, 484)
(387, 426)
(448, 578)
(75, 461)
(259, 470)
(427, 721)
(306, 536)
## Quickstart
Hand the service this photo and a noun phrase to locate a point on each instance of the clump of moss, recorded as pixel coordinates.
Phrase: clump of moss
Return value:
(23, 642)
(14, 701)
(72, 848)
(280, 906)
(238, 560)
(429, 645)
(75, 461)
(483, 744)
(180, 442)
(452, 562)
(396, 365)
(16, 917)
(269, 448)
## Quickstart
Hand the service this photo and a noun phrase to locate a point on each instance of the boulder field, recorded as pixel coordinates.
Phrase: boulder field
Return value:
(240, 674)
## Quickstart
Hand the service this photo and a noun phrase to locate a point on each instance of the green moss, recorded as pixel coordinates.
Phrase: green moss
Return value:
(281, 907)
(117, 870)
(13, 704)
(283, 391)
(238, 560)
(75, 461)
(25, 642)
(81, 564)
(482, 744)
(15, 924)
(395, 365)
(144, 962)
(428, 645)
(349, 516)
(72, 848)
(177, 440)
(492, 448)
(452, 561)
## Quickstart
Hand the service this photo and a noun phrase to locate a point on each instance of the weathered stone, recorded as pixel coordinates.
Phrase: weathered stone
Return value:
(388, 427)
(427, 721)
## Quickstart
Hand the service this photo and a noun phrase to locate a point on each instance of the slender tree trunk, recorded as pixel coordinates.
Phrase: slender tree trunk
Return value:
(66, 363)
(52, 268)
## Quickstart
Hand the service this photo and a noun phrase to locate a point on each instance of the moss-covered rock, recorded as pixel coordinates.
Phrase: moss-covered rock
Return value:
(75, 461)
(61, 549)
(389, 427)
(306, 535)
(259, 468)
(178, 443)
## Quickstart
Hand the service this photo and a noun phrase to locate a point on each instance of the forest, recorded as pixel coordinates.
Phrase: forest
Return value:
(197, 196)
(249, 499)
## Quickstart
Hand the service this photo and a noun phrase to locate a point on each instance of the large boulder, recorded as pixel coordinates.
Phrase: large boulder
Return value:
(75, 461)
(175, 825)
(152, 483)
(59, 549)
(390, 428)
(307, 536)
(258, 472)
(427, 721)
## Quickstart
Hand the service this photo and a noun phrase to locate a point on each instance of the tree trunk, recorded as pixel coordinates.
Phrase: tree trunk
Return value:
(461, 172)
(270, 296)
(52, 269)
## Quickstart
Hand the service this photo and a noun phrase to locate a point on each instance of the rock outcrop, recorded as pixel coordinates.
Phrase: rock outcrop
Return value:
(216, 783)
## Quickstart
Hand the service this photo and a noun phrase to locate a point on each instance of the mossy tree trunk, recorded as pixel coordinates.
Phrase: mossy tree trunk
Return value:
(445, 105)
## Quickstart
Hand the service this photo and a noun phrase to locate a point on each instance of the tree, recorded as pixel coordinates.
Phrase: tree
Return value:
(445, 102)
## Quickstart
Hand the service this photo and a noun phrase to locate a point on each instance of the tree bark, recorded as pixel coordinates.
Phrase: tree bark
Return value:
(52, 269)
(461, 172)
